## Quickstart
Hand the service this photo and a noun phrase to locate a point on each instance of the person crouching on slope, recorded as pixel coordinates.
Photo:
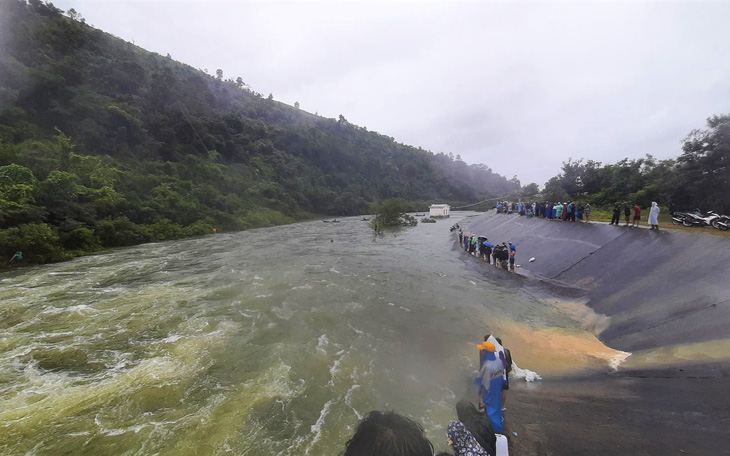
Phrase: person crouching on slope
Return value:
(478, 425)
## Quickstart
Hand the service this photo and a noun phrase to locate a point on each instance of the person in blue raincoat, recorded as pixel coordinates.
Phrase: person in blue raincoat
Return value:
(491, 377)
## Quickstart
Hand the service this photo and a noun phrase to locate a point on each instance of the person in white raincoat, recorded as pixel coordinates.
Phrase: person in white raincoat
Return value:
(654, 216)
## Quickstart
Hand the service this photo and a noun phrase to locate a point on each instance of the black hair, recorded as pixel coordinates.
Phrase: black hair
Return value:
(498, 340)
(388, 434)
(486, 338)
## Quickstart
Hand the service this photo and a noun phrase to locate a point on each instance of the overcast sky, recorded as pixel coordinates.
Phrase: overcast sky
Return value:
(518, 86)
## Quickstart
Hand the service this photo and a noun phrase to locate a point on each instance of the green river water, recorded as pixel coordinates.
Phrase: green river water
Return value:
(264, 342)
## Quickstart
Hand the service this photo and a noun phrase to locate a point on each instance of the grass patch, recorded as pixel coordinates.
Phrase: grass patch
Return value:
(665, 222)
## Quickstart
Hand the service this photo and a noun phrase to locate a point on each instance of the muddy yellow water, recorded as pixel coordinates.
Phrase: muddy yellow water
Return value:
(262, 342)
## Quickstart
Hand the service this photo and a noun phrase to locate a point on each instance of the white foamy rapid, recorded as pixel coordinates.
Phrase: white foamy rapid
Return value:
(526, 374)
(616, 360)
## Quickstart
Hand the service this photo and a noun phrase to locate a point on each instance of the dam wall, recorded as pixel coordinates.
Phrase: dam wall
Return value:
(659, 288)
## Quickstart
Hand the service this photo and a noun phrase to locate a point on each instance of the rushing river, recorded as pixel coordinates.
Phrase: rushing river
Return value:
(263, 342)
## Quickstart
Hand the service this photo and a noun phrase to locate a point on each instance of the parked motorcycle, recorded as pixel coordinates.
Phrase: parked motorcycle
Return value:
(697, 219)
(723, 223)
(686, 219)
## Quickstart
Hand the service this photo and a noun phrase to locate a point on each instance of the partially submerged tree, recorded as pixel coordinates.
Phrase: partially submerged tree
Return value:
(390, 212)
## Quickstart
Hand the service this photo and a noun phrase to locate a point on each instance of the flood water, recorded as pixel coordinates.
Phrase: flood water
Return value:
(270, 341)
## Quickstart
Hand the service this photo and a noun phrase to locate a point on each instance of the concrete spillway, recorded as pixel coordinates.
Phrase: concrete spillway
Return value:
(659, 288)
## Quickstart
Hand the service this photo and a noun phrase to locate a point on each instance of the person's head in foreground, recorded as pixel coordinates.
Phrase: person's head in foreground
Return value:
(388, 434)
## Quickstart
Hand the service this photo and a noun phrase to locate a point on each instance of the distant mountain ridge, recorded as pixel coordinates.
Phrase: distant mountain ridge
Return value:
(133, 135)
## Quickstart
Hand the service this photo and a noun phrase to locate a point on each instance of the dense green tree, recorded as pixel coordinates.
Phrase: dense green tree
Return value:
(705, 167)
(38, 242)
(530, 190)
(699, 178)
(107, 145)
(390, 213)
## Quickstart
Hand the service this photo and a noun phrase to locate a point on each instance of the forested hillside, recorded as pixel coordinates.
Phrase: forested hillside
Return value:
(105, 144)
(698, 178)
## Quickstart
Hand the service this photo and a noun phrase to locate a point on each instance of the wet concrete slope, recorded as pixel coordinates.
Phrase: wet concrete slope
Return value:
(659, 288)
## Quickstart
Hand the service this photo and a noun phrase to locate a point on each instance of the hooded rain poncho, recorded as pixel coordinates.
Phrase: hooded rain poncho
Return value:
(654, 214)
(491, 378)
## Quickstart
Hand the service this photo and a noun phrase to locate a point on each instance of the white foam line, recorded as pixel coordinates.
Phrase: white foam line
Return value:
(317, 427)
(616, 360)
(333, 370)
(171, 339)
(357, 331)
(322, 343)
(348, 400)
(528, 375)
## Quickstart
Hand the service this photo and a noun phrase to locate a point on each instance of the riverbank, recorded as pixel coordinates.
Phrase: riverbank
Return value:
(666, 302)
(665, 223)
(45, 246)
(660, 289)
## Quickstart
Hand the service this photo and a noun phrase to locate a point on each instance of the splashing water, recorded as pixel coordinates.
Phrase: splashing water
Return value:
(270, 341)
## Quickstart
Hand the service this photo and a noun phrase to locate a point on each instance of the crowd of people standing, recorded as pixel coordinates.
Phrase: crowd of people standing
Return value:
(473, 434)
(580, 212)
(569, 211)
